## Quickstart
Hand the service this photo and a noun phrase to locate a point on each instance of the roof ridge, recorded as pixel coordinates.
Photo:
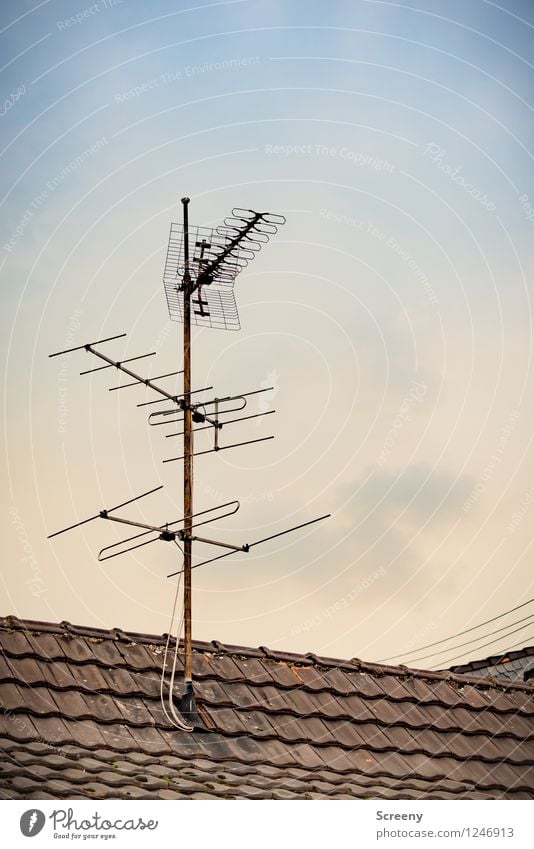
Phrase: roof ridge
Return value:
(13, 623)
(202, 678)
(495, 659)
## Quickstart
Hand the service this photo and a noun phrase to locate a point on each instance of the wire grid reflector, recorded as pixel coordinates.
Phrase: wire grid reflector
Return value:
(212, 305)
(216, 309)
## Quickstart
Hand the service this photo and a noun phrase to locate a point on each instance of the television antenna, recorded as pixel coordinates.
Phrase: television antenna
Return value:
(199, 291)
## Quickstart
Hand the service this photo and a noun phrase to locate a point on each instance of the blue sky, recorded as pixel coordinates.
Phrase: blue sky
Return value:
(392, 312)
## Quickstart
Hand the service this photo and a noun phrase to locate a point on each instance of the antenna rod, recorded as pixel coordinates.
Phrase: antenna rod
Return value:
(188, 704)
(119, 365)
(206, 275)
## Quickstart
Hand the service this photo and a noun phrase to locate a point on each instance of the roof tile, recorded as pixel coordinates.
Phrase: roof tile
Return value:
(253, 671)
(28, 670)
(89, 734)
(52, 730)
(118, 680)
(107, 653)
(46, 645)
(74, 649)
(102, 707)
(134, 712)
(15, 643)
(136, 656)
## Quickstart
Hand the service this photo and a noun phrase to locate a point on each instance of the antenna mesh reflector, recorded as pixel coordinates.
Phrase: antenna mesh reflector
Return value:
(212, 305)
(217, 308)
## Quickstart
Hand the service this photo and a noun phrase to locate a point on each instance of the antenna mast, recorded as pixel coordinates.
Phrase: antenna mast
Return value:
(199, 290)
(188, 705)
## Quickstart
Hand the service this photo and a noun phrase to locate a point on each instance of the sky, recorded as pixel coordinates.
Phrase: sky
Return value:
(391, 314)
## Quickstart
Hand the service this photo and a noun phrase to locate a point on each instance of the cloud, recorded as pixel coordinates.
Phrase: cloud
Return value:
(420, 493)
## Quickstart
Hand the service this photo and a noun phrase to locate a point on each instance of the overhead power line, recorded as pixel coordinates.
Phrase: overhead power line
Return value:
(470, 642)
(459, 634)
(508, 648)
(451, 659)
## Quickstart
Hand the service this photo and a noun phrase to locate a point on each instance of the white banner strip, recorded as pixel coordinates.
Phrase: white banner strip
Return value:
(250, 825)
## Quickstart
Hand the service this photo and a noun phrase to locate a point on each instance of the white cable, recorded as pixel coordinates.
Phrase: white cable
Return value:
(174, 719)
(173, 673)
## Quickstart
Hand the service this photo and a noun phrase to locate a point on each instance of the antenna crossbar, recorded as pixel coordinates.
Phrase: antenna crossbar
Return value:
(119, 364)
(213, 542)
(234, 508)
(137, 377)
(177, 399)
(221, 448)
(227, 398)
(199, 416)
(110, 510)
(183, 395)
(250, 545)
(104, 514)
(80, 347)
(139, 382)
(221, 424)
(129, 360)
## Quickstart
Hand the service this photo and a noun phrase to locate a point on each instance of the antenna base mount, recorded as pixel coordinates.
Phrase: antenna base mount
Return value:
(188, 707)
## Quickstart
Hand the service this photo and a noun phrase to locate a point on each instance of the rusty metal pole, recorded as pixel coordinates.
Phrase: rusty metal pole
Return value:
(187, 700)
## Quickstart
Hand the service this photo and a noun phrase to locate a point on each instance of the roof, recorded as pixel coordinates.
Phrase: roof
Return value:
(510, 666)
(81, 718)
